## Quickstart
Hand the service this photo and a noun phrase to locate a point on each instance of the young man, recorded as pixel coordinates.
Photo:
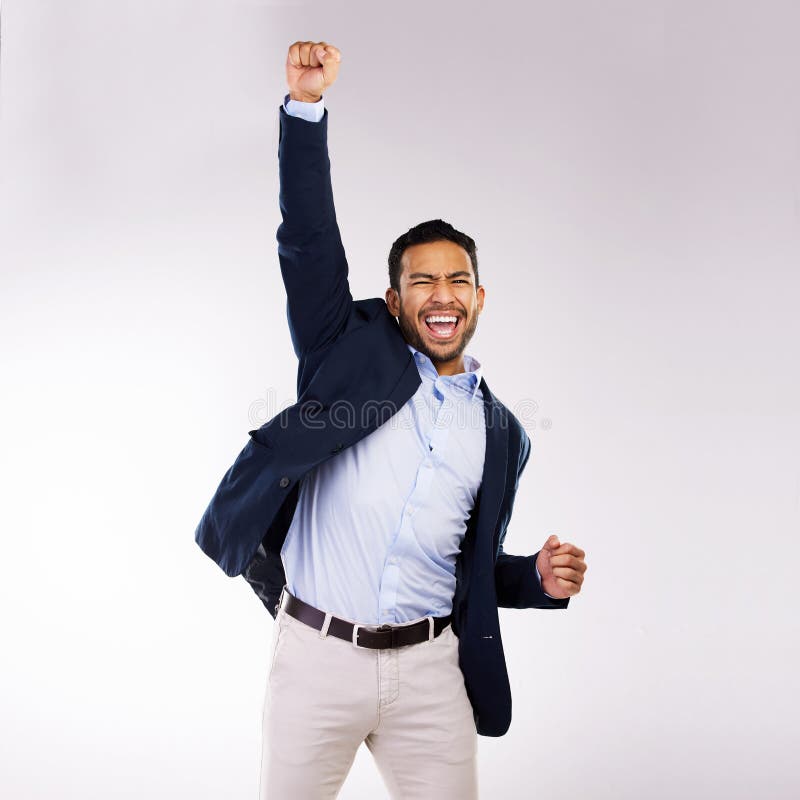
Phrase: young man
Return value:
(370, 516)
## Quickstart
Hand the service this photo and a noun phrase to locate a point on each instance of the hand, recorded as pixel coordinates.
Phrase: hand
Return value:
(311, 68)
(562, 567)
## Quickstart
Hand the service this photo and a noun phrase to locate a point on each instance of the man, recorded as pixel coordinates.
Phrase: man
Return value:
(370, 516)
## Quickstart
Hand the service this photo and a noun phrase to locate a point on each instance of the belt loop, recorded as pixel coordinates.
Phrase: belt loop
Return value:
(430, 629)
(280, 599)
(323, 631)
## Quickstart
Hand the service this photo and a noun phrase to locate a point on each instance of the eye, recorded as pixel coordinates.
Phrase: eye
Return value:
(461, 280)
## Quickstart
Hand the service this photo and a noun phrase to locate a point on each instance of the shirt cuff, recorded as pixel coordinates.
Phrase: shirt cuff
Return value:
(312, 112)
(540, 583)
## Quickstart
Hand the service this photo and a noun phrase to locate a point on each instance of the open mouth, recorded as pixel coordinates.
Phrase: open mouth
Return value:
(442, 326)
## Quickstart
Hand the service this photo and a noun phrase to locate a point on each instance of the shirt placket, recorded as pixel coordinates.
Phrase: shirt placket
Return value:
(437, 435)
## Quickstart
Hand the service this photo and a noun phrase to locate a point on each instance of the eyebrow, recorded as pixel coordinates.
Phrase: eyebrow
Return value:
(449, 275)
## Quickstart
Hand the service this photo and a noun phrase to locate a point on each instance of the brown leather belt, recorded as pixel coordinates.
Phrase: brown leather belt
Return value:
(375, 638)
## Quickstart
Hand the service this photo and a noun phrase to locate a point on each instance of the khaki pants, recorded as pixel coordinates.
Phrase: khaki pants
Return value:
(325, 697)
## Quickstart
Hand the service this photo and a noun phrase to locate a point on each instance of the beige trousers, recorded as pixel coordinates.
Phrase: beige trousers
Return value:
(324, 697)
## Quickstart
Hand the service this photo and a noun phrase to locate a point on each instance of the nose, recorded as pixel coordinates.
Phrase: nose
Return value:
(442, 293)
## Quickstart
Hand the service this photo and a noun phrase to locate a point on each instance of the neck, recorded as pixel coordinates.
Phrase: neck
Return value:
(452, 367)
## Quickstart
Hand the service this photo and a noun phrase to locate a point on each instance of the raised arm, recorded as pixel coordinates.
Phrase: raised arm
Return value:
(310, 250)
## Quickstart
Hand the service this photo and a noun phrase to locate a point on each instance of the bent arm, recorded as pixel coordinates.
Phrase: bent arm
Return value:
(517, 584)
(312, 258)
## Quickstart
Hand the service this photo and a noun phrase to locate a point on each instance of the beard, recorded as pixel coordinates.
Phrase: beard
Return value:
(446, 351)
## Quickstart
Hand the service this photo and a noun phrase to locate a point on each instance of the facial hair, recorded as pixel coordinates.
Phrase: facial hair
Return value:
(414, 338)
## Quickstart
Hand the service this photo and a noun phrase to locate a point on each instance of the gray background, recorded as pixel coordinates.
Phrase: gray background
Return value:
(629, 171)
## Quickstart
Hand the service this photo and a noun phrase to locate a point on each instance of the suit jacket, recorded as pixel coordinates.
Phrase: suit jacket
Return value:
(354, 372)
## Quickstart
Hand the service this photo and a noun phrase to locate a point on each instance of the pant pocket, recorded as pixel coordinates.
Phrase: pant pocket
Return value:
(278, 629)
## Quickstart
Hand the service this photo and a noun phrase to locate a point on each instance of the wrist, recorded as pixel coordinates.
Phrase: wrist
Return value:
(305, 98)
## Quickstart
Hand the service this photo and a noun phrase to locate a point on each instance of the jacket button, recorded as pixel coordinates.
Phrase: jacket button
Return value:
(284, 482)
(337, 448)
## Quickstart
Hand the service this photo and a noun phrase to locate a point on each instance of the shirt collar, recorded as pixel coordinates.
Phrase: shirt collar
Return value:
(468, 380)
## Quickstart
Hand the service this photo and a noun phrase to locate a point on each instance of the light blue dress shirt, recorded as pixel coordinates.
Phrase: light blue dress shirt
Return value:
(378, 527)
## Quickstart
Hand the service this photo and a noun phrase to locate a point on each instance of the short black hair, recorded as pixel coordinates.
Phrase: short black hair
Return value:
(433, 230)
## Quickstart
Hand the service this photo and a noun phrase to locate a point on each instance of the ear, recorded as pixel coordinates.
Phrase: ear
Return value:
(392, 302)
(480, 292)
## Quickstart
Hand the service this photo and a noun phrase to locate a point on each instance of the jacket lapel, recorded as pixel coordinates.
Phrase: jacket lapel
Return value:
(493, 481)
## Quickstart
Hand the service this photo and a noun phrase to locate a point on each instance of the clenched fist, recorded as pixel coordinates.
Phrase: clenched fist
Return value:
(562, 567)
(311, 67)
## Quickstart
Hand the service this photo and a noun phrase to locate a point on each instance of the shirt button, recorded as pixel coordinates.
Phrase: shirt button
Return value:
(284, 482)
(409, 509)
(384, 611)
(392, 560)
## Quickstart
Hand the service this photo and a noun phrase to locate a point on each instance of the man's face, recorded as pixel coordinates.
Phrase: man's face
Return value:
(437, 281)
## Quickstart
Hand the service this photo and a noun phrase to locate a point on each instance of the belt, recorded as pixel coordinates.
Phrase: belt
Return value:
(360, 635)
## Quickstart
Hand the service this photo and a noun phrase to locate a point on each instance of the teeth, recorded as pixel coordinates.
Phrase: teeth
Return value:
(441, 319)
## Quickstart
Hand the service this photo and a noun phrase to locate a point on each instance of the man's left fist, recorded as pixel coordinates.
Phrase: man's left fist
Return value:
(562, 567)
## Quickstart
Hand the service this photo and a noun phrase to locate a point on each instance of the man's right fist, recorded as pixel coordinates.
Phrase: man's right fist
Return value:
(311, 67)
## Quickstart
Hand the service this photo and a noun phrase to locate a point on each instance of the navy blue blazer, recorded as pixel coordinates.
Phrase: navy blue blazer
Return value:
(354, 372)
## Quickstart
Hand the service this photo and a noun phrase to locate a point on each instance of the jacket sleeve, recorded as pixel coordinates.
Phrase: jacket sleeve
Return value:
(515, 577)
(312, 258)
